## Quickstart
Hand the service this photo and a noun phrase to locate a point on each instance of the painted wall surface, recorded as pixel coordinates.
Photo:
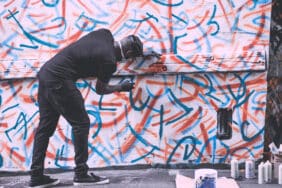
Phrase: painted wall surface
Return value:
(214, 56)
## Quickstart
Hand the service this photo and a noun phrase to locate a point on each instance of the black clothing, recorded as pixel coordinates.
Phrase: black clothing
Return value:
(92, 55)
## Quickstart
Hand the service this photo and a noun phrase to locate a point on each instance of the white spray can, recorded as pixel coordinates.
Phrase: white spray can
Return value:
(267, 172)
(280, 174)
(249, 169)
(234, 169)
(261, 173)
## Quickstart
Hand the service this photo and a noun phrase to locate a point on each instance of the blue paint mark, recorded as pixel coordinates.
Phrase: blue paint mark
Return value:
(139, 137)
(186, 109)
(174, 46)
(12, 14)
(85, 26)
(100, 154)
(161, 122)
(261, 145)
(232, 3)
(9, 108)
(101, 105)
(186, 154)
(30, 37)
(55, 3)
(150, 16)
(184, 14)
(223, 159)
(59, 156)
(28, 46)
(243, 148)
(244, 136)
(212, 22)
(1, 161)
(21, 118)
(212, 138)
(98, 121)
(144, 156)
(196, 122)
(164, 3)
(211, 78)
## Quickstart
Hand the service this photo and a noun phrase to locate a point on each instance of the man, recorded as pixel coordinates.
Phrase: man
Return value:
(94, 55)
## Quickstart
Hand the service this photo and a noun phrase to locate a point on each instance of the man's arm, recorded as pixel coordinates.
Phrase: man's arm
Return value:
(104, 88)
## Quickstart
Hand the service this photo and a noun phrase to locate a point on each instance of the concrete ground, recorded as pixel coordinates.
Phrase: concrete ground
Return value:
(126, 178)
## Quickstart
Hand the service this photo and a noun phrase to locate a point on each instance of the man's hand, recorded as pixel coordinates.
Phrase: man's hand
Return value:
(127, 85)
(151, 54)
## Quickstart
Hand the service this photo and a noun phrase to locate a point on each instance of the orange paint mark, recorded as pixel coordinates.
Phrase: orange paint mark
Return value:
(141, 152)
(139, 127)
(15, 154)
(12, 96)
(120, 18)
(119, 132)
(188, 122)
(206, 137)
(258, 35)
(200, 22)
(160, 83)
(36, 2)
(30, 139)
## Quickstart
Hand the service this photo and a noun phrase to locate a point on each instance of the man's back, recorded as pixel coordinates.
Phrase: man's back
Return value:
(91, 55)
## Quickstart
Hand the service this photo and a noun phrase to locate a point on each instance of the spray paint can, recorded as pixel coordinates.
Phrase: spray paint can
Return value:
(261, 173)
(234, 169)
(249, 169)
(267, 172)
(280, 174)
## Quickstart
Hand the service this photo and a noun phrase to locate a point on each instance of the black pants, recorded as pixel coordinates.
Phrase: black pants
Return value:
(60, 97)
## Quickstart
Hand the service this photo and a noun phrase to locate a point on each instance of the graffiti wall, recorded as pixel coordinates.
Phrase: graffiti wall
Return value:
(203, 102)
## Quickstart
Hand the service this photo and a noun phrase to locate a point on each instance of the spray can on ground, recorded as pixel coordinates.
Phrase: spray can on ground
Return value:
(280, 174)
(250, 168)
(267, 172)
(234, 168)
(261, 173)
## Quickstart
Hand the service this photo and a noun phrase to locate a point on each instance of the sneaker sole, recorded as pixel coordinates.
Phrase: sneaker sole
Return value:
(91, 183)
(47, 185)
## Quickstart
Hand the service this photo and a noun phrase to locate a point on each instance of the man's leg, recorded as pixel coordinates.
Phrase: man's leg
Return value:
(47, 125)
(73, 110)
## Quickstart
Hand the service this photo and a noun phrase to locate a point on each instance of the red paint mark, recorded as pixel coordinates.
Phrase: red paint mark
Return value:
(258, 35)
(189, 121)
(9, 3)
(85, 6)
(50, 27)
(3, 125)
(30, 139)
(63, 8)
(26, 98)
(170, 26)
